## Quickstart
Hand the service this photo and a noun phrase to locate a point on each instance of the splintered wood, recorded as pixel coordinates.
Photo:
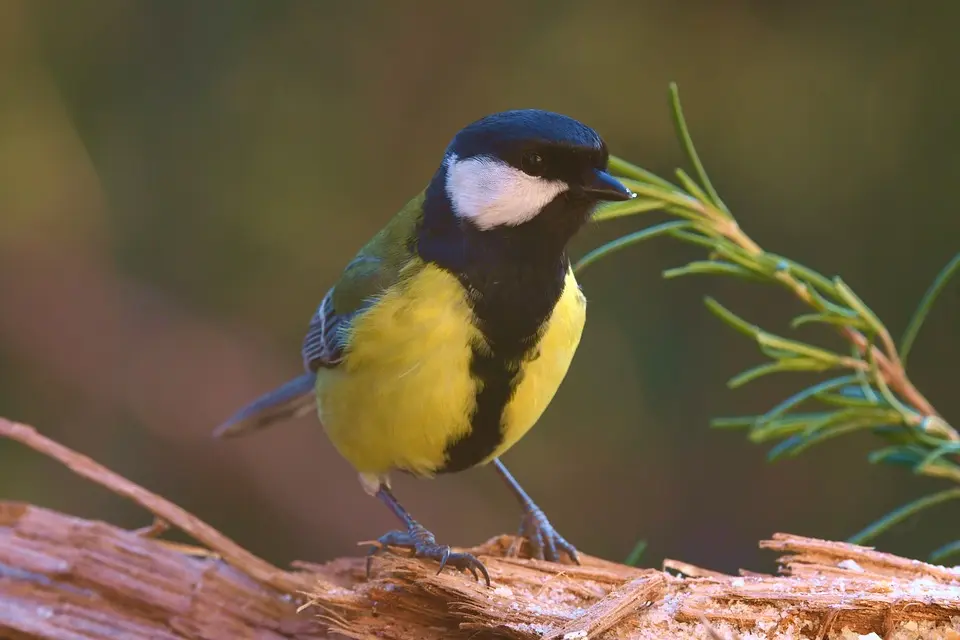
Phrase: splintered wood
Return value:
(829, 590)
(65, 578)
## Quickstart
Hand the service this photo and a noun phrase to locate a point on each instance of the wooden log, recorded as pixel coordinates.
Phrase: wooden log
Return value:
(66, 578)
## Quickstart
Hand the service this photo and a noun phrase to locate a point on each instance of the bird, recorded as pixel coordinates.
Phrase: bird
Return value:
(451, 330)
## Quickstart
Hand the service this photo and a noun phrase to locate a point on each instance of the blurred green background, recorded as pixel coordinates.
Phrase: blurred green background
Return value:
(181, 181)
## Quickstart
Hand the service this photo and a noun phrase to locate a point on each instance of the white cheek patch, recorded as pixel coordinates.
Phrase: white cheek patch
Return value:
(491, 193)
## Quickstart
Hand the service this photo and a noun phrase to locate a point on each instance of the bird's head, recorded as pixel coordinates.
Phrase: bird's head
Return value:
(527, 167)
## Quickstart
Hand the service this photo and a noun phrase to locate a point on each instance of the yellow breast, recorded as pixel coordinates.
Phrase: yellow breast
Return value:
(404, 391)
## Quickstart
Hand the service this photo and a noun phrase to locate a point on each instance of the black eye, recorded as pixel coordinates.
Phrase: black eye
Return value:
(532, 164)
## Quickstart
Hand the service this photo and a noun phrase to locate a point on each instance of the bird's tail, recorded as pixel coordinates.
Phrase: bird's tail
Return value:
(292, 400)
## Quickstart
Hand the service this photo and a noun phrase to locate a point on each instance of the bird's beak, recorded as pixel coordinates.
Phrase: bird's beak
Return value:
(604, 186)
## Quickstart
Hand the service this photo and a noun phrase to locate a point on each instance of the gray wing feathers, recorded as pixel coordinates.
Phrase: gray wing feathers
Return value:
(323, 344)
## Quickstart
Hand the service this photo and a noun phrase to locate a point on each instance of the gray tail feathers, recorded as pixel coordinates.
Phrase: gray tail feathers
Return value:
(292, 400)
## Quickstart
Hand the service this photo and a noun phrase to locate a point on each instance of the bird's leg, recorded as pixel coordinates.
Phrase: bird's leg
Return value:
(421, 542)
(544, 540)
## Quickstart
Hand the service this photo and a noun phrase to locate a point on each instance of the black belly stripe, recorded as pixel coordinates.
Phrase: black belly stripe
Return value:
(515, 277)
(511, 316)
(496, 378)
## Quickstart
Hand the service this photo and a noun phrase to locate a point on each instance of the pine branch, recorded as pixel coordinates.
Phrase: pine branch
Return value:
(870, 388)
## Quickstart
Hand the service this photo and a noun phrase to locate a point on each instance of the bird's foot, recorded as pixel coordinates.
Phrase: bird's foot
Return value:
(545, 542)
(424, 545)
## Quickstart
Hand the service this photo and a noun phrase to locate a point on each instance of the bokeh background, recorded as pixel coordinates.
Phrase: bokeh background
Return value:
(181, 181)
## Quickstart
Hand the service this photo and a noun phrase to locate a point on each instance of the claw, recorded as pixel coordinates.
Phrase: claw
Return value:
(536, 541)
(476, 576)
(570, 549)
(423, 545)
(443, 559)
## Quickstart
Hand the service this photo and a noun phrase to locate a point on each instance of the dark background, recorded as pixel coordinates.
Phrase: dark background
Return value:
(180, 182)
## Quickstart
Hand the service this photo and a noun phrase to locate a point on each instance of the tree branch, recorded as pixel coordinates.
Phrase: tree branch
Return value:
(65, 578)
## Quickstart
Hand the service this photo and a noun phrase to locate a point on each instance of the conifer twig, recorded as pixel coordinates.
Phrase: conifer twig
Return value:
(872, 390)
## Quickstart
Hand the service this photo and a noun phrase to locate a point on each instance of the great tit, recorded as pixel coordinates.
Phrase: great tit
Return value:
(448, 334)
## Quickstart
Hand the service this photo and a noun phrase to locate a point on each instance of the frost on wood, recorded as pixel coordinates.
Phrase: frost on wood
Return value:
(65, 578)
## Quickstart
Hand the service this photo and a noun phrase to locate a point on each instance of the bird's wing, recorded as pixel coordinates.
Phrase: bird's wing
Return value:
(375, 268)
(326, 336)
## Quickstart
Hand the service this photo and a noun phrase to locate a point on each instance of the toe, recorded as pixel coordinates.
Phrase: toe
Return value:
(539, 544)
(550, 547)
(474, 565)
(569, 548)
(389, 539)
(545, 543)
(395, 539)
(531, 530)
(462, 561)
(476, 568)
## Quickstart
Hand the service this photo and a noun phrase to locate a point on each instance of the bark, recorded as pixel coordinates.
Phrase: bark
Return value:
(63, 577)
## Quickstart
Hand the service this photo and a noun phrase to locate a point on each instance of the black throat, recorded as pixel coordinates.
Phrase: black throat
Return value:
(514, 277)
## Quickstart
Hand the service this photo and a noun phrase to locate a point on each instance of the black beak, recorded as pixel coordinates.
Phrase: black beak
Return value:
(603, 186)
